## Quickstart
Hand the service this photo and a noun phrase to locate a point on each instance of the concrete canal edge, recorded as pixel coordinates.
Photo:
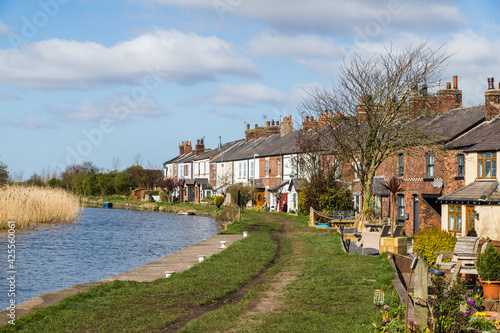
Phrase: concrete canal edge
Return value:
(177, 262)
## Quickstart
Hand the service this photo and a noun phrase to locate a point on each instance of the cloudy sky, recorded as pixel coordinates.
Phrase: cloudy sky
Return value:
(88, 80)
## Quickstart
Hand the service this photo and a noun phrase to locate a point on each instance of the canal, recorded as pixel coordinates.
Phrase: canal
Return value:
(103, 243)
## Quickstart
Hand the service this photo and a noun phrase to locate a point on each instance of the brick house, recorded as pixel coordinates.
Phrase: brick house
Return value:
(427, 175)
(477, 204)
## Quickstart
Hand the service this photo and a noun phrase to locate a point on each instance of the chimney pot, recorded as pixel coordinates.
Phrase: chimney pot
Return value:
(312, 118)
(277, 122)
(268, 123)
(491, 81)
(272, 122)
(307, 118)
(342, 113)
(198, 141)
(248, 126)
(202, 141)
(255, 126)
(455, 82)
(448, 85)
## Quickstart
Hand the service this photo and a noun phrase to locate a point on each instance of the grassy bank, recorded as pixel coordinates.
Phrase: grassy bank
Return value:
(30, 206)
(332, 290)
(120, 202)
(148, 307)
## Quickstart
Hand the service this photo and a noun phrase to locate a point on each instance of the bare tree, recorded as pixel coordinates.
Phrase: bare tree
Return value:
(115, 163)
(363, 120)
(138, 159)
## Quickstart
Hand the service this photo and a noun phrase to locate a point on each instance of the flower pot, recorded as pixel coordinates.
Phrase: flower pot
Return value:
(491, 289)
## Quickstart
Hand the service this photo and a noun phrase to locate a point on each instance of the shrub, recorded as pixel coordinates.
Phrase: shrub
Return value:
(246, 193)
(228, 214)
(218, 200)
(429, 241)
(488, 264)
(163, 196)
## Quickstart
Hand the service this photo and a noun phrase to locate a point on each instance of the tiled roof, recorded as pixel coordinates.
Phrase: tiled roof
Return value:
(297, 182)
(214, 152)
(483, 136)
(456, 122)
(271, 146)
(278, 186)
(259, 183)
(201, 180)
(189, 182)
(476, 192)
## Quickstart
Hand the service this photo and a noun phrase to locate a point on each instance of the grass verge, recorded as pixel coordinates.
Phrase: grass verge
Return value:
(332, 293)
(148, 307)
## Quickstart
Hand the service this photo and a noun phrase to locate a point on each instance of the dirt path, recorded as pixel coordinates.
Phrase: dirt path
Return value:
(269, 300)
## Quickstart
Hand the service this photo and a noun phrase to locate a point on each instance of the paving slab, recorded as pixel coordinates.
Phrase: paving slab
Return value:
(178, 262)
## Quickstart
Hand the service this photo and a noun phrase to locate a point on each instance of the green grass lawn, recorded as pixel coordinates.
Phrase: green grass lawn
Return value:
(332, 293)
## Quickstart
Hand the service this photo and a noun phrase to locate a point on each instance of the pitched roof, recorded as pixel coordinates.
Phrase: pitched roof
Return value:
(456, 122)
(477, 192)
(218, 150)
(258, 183)
(484, 136)
(264, 147)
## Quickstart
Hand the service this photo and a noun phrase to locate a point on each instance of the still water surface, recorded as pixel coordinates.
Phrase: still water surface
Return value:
(103, 243)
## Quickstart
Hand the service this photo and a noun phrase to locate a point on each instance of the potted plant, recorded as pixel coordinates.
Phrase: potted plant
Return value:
(488, 268)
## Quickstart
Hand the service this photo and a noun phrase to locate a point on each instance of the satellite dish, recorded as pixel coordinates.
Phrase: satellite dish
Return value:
(437, 183)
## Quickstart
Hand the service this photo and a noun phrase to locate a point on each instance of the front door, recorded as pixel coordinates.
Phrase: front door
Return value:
(259, 198)
(470, 219)
(191, 193)
(283, 201)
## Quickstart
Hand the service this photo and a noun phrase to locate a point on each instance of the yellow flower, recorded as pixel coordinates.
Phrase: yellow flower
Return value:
(477, 296)
(497, 323)
(480, 314)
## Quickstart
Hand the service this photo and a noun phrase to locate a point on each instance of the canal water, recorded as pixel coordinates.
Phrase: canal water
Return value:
(103, 243)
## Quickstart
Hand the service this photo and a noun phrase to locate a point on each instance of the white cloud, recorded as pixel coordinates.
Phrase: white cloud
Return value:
(169, 55)
(295, 46)
(4, 30)
(334, 16)
(113, 110)
(248, 95)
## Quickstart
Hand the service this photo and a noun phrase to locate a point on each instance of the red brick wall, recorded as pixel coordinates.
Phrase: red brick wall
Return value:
(415, 184)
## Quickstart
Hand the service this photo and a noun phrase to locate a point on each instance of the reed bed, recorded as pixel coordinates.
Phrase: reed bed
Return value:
(30, 206)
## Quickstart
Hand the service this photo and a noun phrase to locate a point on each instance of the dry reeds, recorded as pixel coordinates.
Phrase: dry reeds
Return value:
(30, 206)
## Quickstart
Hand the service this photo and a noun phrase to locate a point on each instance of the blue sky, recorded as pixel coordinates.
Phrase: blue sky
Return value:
(88, 80)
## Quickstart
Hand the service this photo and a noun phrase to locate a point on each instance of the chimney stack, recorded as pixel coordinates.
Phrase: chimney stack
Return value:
(492, 100)
(181, 149)
(309, 123)
(272, 129)
(449, 98)
(199, 148)
(188, 148)
(286, 125)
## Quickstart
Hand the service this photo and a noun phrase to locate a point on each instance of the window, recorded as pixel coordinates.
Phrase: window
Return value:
(429, 162)
(486, 165)
(461, 165)
(401, 165)
(279, 167)
(252, 172)
(401, 207)
(268, 170)
(185, 170)
(455, 218)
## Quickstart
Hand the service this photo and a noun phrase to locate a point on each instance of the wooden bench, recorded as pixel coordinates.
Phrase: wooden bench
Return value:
(462, 257)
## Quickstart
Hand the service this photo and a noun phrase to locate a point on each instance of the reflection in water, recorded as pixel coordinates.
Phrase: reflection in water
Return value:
(103, 243)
